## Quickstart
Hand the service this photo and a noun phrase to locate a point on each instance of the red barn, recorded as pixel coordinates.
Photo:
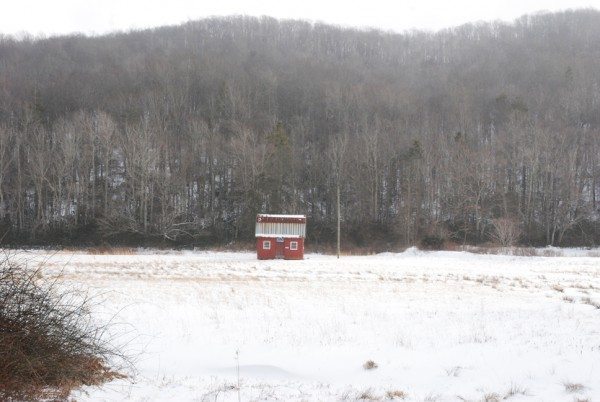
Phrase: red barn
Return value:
(280, 236)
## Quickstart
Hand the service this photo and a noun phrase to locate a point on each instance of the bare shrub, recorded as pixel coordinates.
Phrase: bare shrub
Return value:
(370, 365)
(506, 231)
(558, 288)
(568, 299)
(49, 345)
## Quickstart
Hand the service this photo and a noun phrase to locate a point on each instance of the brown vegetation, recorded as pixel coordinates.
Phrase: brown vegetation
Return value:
(49, 344)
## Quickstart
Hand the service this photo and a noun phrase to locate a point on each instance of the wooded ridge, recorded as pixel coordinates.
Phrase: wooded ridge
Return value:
(183, 134)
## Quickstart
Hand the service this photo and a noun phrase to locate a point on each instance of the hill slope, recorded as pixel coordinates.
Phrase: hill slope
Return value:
(184, 133)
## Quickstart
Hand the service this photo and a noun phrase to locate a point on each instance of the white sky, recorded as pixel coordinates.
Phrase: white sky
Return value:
(50, 17)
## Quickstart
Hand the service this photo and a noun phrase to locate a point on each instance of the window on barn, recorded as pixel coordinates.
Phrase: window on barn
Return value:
(266, 244)
(293, 245)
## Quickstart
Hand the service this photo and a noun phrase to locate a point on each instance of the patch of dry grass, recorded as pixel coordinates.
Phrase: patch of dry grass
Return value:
(572, 387)
(367, 395)
(590, 302)
(396, 394)
(454, 371)
(370, 365)
(491, 397)
(515, 390)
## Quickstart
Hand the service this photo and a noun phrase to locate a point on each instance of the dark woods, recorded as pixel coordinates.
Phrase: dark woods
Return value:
(181, 135)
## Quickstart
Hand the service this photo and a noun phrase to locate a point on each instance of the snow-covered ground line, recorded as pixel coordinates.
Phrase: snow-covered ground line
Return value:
(441, 326)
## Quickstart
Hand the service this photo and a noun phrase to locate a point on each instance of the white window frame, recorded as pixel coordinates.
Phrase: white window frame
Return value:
(294, 245)
(266, 244)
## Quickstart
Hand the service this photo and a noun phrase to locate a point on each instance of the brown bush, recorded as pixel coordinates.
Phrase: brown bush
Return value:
(49, 344)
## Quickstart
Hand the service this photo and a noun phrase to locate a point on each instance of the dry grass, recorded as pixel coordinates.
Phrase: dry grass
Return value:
(497, 250)
(235, 246)
(588, 301)
(572, 387)
(367, 395)
(550, 252)
(370, 365)
(109, 250)
(558, 288)
(568, 299)
(525, 252)
(396, 394)
(491, 397)
(454, 371)
(515, 390)
(492, 249)
(512, 392)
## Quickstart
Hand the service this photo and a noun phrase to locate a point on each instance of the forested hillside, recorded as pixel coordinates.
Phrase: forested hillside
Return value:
(182, 134)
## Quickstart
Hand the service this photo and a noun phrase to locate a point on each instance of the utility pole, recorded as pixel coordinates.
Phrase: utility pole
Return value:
(336, 153)
(338, 216)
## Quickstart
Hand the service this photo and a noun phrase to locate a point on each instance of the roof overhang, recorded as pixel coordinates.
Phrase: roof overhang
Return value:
(271, 218)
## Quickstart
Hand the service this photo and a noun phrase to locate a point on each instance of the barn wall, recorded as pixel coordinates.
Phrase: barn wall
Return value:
(290, 254)
(263, 254)
(287, 252)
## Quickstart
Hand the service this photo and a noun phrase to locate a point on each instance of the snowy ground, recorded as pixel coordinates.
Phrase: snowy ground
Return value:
(441, 326)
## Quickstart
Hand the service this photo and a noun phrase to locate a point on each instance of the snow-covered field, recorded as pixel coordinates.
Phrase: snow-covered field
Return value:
(440, 326)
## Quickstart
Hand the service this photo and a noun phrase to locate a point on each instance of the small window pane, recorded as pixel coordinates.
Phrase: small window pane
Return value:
(267, 244)
(294, 245)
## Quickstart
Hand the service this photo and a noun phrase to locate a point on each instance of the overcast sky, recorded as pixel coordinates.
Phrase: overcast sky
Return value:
(50, 17)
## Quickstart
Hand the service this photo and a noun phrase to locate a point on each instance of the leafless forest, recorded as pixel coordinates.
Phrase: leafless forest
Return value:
(180, 135)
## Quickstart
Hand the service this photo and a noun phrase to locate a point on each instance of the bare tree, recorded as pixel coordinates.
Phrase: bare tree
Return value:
(506, 231)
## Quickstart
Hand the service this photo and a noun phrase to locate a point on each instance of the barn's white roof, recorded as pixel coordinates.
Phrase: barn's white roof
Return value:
(287, 236)
(276, 225)
(282, 216)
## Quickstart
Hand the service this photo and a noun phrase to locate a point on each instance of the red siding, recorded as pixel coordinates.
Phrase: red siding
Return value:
(290, 254)
(279, 249)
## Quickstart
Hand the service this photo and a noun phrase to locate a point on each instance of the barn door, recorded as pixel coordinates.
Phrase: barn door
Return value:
(279, 248)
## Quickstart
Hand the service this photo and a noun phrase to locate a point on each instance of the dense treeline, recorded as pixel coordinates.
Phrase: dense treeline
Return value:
(182, 134)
